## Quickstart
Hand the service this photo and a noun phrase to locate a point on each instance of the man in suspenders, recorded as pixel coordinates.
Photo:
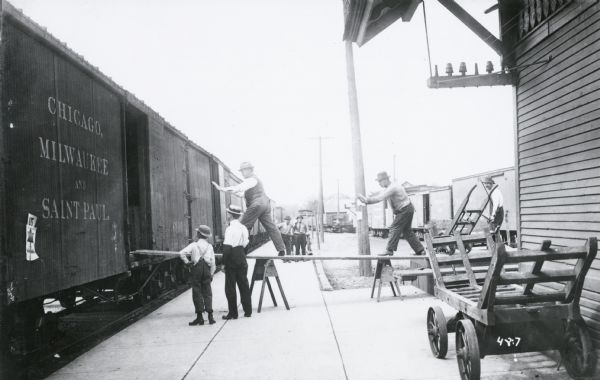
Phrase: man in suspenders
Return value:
(258, 204)
(495, 209)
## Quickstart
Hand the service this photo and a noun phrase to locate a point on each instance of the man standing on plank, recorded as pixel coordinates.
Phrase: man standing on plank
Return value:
(398, 200)
(258, 204)
(236, 266)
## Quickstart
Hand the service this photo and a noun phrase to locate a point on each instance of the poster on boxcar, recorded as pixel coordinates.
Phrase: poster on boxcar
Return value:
(30, 232)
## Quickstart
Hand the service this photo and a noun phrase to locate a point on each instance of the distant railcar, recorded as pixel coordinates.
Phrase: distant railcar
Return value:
(435, 206)
(88, 173)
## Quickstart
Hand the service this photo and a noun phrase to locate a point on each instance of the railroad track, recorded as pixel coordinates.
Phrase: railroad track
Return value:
(81, 330)
(84, 327)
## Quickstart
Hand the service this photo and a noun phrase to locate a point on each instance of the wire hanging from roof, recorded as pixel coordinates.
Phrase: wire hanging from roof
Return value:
(427, 40)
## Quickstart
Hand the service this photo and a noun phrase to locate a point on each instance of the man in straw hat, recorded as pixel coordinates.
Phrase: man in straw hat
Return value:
(236, 267)
(258, 204)
(397, 198)
(202, 260)
(495, 211)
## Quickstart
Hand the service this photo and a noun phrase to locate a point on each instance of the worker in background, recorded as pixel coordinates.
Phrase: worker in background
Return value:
(258, 204)
(495, 210)
(285, 229)
(309, 241)
(236, 267)
(300, 231)
(202, 260)
(397, 198)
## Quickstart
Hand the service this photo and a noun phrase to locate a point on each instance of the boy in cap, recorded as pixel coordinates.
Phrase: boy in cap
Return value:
(202, 259)
(285, 229)
(236, 267)
(258, 204)
(398, 200)
(495, 210)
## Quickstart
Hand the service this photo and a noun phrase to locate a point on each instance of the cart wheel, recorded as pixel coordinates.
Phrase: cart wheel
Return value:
(437, 332)
(467, 350)
(578, 353)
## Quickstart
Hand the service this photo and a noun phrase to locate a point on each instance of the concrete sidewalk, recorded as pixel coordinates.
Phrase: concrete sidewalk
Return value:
(326, 335)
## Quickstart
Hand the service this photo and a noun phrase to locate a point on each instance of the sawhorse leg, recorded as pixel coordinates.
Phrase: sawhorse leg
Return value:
(377, 276)
(282, 293)
(270, 290)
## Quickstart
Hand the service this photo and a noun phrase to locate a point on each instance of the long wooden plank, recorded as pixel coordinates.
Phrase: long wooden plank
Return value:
(523, 299)
(531, 256)
(292, 258)
(448, 271)
(472, 238)
(474, 257)
(534, 278)
(590, 217)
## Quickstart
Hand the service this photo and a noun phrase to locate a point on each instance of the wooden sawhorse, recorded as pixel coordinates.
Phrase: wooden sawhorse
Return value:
(263, 269)
(384, 272)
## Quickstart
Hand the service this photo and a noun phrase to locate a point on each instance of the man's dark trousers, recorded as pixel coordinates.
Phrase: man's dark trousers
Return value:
(402, 226)
(300, 240)
(287, 240)
(260, 210)
(200, 280)
(236, 272)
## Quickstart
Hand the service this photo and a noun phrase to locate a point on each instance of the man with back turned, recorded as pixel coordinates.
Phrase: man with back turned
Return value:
(258, 204)
(236, 267)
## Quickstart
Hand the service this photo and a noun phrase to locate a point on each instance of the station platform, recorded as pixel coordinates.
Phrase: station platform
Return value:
(341, 334)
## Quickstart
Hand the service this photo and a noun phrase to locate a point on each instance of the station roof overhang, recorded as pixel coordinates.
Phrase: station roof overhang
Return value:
(364, 19)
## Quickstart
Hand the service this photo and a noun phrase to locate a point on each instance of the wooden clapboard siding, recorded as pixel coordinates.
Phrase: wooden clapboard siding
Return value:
(558, 140)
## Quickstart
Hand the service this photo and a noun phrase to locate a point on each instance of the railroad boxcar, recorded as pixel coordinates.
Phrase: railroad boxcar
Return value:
(88, 173)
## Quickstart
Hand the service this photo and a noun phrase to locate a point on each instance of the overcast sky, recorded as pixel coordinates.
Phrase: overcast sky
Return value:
(256, 80)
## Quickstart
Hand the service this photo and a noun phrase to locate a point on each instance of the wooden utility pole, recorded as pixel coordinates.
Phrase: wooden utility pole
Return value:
(321, 205)
(362, 225)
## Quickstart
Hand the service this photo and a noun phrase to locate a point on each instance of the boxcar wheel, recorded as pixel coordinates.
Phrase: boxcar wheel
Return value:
(578, 353)
(467, 351)
(437, 333)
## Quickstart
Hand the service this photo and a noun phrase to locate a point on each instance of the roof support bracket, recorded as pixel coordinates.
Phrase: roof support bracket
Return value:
(473, 24)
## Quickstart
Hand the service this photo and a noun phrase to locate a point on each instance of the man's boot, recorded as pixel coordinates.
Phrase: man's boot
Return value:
(211, 320)
(198, 321)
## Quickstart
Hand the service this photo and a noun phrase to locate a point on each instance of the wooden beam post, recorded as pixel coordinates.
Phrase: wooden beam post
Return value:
(474, 25)
(362, 226)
